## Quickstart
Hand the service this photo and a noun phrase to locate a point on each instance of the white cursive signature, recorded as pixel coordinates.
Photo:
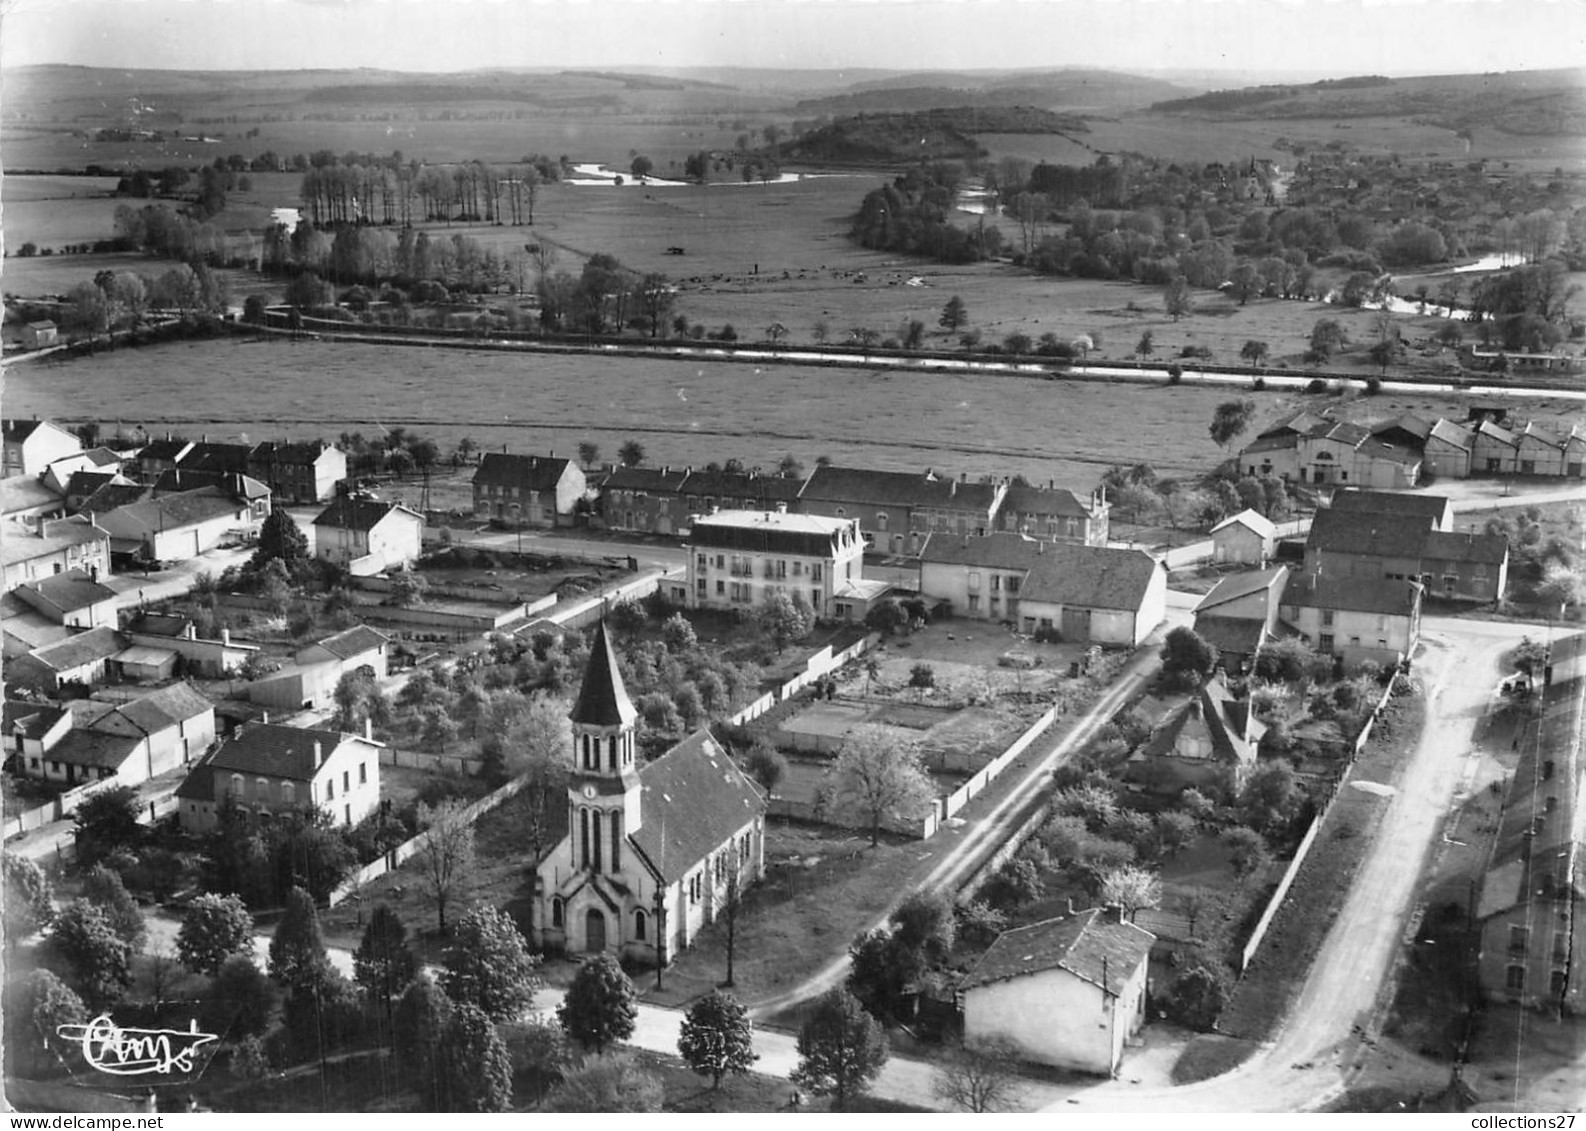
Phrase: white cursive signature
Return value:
(136, 1052)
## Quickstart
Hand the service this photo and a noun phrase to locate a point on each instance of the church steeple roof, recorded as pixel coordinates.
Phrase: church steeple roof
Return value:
(603, 700)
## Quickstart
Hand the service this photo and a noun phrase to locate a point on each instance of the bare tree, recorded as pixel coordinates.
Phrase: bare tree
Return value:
(980, 1079)
(447, 865)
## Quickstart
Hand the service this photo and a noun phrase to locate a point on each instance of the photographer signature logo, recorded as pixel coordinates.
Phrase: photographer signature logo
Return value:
(136, 1052)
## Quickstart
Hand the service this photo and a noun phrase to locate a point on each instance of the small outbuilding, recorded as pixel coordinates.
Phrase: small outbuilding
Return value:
(1247, 538)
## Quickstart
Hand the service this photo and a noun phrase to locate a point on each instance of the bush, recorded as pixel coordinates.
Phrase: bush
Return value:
(1198, 995)
(1259, 384)
(1175, 374)
(1316, 386)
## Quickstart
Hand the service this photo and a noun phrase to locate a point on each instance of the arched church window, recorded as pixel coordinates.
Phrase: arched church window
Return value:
(639, 924)
(558, 913)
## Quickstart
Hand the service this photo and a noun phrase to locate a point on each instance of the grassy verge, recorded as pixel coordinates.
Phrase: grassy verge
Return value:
(1263, 996)
(1209, 1055)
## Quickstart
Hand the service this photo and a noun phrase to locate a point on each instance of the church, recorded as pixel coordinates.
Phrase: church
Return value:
(650, 852)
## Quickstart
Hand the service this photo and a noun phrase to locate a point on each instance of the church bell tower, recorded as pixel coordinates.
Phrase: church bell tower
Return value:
(603, 789)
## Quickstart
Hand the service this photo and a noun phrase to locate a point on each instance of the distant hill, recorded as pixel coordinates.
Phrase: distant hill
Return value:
(1055, 90)
(939, 134)
(1548, 103)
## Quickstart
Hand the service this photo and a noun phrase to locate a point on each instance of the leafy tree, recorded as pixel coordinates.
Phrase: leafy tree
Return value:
(841, 1048)
(1132, 889)
(1176, 298)
(35, 1011)
(1271, 797)
(447, 866)
(609, 1084)
(882, 776)
(955, 315)
(536, 749)
(1198, 995)
(298, 959)
(1185, 654)
(539, 1049)
(878, 971)
(924, 923)
(980, 1079)
(489, 965)
(84, 947)
(104, 889)
(922, 677)
(475, 1063)
(766, 765)
(717, 1038)
(1327, 338)
(1230, 419)
(784, 619)
(1146, 346)
(601, 1005)
(886, 617)
(588, 453)
(1247, 282)
(241, 1000)
(1016, 883)
(384, 964)
(641, 166)
(1253, 351)
(1528, 657)
(408, 588)
(107, 822)
(214, 927)
(631, 454)
(420, 1037)
(29, 903)
(282, 540)
(1247, 850)
(1175, 832)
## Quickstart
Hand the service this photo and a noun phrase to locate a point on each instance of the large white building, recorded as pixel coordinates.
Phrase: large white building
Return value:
(736, 559)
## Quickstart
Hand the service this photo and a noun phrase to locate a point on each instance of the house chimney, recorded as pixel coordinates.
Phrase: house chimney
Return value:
(225, 637)
(1113, 913)
(93, 573)
(319, 754)
(264, 717)
(190, 632)
(781, 508)
(368, 729)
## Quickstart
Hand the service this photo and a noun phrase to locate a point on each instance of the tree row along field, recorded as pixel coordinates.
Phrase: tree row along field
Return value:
(682, 412)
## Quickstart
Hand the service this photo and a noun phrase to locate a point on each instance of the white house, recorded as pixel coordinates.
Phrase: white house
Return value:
(1067, 992)
(1247, 538)
(738, 558)
(74, 598)
(27, 447)
(366, 536)
(268, 769)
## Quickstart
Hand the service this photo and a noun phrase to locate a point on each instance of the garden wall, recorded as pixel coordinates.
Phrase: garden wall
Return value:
(420, 760)
(587, 611)
(820, 664)
(965, 793)
(64, 805)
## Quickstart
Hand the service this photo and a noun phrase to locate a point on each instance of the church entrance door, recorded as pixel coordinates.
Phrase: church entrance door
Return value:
(594, 931)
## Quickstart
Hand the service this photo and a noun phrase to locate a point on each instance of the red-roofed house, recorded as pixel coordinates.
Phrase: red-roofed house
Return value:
(651, 852)
(1067, 992)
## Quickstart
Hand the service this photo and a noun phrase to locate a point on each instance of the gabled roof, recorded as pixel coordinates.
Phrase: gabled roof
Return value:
(23, 493)
(1296, 423)
(999, 550)
(1368, 532)
(272, 750)
(82, 484)
(1022, 498)
(1097, 577)
(742, 485)
(1496, 434)
(30, 719)
(70, 591)
(160, 624)
(166, 707)
(96, 748)
(1355, 501)
(831, 484)
(233, 483)
(1352, 594)
(184, 508)
(1448, 546)
(1237, 585)
(95, 644)
(114, 496)
(602, 699)
(355, 641)
(164, 451)
(1408, 422)
(299, 452)
(692, 799)
(20, 545)
(199, 784)
(1452, 433)
(348, 513)
(1250, 520)
(662, 480)
(206, 456)
(1240, 636)
(530, 473)
(15, 431)
(1225, 721)
(1279, 442)
(1088, 945)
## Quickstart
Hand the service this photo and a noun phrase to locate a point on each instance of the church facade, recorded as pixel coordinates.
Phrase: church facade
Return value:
(651, 853)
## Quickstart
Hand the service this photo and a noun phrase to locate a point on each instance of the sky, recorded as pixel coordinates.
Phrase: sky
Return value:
(1316, 37)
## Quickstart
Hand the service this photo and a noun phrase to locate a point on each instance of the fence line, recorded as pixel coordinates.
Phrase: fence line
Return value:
(965, 793)
(422, 760)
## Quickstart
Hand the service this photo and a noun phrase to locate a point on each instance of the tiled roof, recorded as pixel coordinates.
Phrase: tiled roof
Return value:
(199, 784)
(1451, 433)
(602, 699)
(71, 590)
(17, 430)
(1087, 945)
(1233, 735)
(1252, 520)
(272, 750)
(94, 748)
(348, 513)
(1301, 420)
(160, 624)
(1025, 499)
(742, 485)
(1368, 532)
(1281, 442)
(85, 483)
(1446, 546)
(19, 545)
(877, 488)
(95, 644)
(302, 452)
(164, 451)
(662, 480)
(1242, 584)
(114, 496)
(24, 492)
(355, 641)
(1095, 577)
(1408, 422)
(693, 798)
(32, 718)
(1238, 635)
(1501, 435)
(1001, 550)
(771, 532)
(1352, 594)
(233, 483)
(166, 707)
(206, 456)
(184, 508)
(531, 473)
(1431, 507)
